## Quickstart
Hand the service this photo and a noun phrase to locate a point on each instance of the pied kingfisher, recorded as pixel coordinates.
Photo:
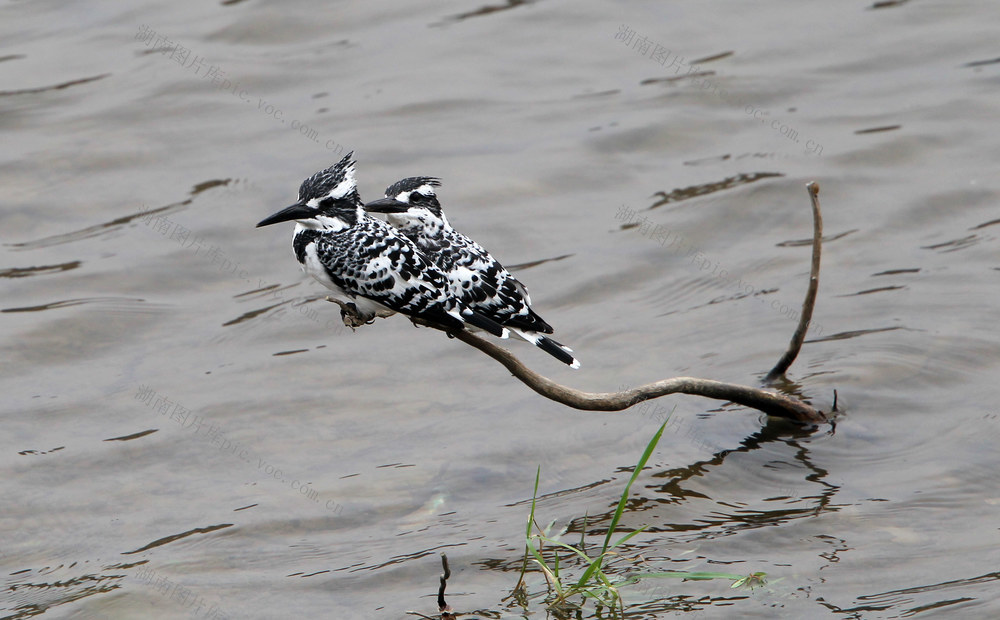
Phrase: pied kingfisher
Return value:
(364, 260)
(474, 276)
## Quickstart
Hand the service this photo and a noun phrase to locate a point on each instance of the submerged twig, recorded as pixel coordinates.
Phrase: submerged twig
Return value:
(446, 611)
(443, 607)
(810, 301)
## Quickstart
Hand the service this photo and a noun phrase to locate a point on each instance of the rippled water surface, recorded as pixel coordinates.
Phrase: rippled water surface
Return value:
(188, 431)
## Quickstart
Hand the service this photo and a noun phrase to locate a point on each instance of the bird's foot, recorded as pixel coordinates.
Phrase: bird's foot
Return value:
(349, 314)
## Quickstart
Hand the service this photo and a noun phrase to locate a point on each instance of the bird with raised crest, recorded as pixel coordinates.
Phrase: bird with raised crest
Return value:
(474, 276)
(364, 261)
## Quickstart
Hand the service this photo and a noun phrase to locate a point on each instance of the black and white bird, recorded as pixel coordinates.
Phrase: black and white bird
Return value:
(474, 276)
(365, 261)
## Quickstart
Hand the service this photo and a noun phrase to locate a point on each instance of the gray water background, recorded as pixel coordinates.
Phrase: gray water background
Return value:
(643, 164)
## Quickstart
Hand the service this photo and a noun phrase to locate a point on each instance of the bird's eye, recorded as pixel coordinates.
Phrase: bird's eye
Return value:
(416, 198)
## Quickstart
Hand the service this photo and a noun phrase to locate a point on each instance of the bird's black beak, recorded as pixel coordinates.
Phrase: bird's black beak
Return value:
(297, 211)
(387, 205)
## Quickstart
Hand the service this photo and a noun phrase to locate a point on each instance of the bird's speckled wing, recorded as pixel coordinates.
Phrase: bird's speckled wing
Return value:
(481, 282)
(371, 260)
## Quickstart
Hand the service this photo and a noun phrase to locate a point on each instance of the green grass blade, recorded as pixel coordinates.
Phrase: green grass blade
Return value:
(534, 497)
(583, 556)
(527, 532)
(626, 537)
(551, 578)
(555, 564)
(696, 575)
(635, 474)
(595, 566)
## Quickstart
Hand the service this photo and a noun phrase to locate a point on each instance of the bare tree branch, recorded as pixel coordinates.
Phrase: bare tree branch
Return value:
(810, 301)
(769, 402)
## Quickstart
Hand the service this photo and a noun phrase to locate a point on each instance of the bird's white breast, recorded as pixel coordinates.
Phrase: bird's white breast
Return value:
(313, 266)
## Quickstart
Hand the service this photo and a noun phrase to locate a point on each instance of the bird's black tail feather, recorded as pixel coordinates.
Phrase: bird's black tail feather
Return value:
(484, 323)
(531, 322)
(558, 351)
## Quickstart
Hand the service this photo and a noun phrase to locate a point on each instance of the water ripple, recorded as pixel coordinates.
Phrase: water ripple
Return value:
(693, 191)
(118, 302)
(173, 537)
(117, 223)
(42, 89)
(24, 272)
